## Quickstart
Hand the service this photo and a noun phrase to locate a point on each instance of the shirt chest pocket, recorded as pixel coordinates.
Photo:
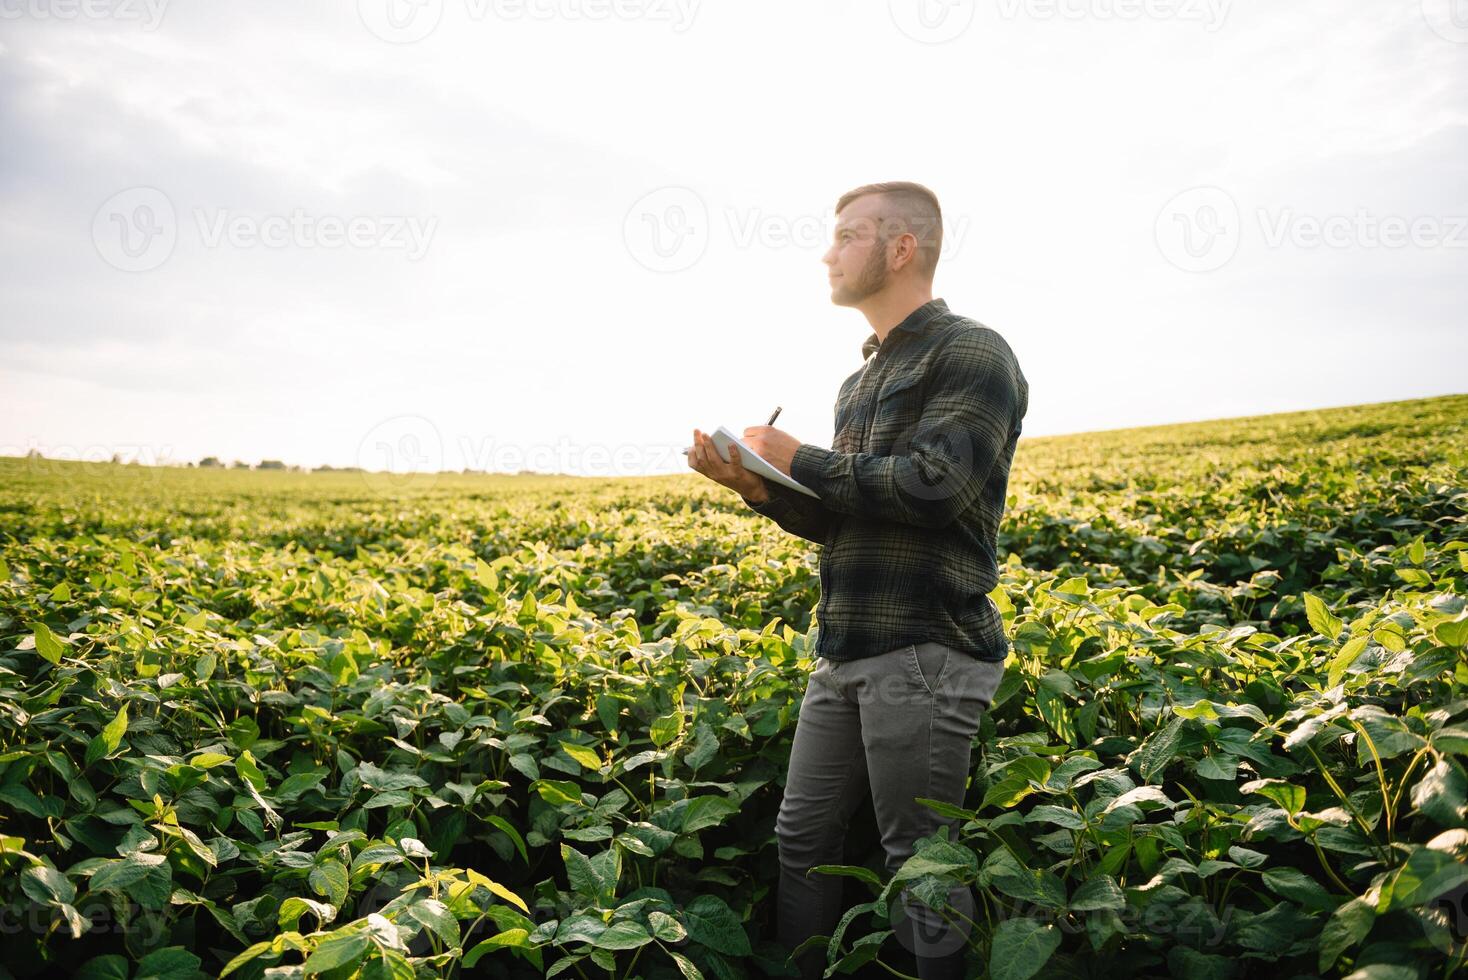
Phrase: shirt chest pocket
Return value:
(895, 414)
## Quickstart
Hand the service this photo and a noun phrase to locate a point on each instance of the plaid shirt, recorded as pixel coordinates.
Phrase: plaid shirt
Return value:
(912, 493)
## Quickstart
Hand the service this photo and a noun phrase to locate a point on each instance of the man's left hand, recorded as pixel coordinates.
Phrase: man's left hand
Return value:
(776, 446)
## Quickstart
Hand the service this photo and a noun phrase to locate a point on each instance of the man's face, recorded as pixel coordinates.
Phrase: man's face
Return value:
(857, 259)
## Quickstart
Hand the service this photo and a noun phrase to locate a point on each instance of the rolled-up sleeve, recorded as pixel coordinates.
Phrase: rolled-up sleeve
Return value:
(972, 403)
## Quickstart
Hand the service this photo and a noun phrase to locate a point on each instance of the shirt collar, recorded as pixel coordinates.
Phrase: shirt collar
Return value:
(912, 323)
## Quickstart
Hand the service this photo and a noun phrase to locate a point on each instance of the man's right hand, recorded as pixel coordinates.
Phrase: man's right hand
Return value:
(704, 458)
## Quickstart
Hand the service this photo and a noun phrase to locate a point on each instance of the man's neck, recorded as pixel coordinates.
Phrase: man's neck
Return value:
(884, 312)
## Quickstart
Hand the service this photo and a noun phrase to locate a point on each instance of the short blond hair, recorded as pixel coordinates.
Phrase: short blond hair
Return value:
(915, 207)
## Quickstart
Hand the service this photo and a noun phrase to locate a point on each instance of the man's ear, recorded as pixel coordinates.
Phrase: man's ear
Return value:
(906, 250)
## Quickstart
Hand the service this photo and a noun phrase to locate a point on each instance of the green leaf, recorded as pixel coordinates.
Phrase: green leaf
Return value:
(624, 935)
(1342, 661)
(110, 737)
(580, 928)
(337, 949)
(377, 854)
(1058, 815)
(1218, 767)
(288, 916)
(485, 576)
(1297, 886)
(586, 757)
(1031, 885)
(246, 769)
(1021, 946)
(122, 874)
(108, 967)
(257, 950)
(685, 965)
(1195, 965)
(1153, 755)
(557, 792)
(330, 880)
(172, 963)
(707, 811)
(666, 728)
(1455, 633)
(667, 928)
(517, 938)
(512, 833)
(25, 801)
(1287, 795)
(47, 885)
(1347, 926)
(47, 645)
(497, 889)
(711, 922)
(1442, 794)
(1321, 619)
(389, 965)
(1384, 971)
(581, 873)
(1100, 892)
(1006, 792)
(1426, 874)
(436, 916)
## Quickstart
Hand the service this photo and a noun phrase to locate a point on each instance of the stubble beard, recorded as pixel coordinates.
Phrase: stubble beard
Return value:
(871, 279)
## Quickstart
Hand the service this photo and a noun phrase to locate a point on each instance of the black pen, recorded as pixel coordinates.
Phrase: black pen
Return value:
(774, 415)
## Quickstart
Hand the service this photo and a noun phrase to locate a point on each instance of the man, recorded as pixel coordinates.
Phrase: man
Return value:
(910, 649)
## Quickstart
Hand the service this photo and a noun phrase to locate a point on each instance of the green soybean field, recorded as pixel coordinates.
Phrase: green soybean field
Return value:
(276, 724)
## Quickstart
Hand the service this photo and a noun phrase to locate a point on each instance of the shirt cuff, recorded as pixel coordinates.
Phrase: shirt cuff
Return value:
(808, 464)
(774, 509)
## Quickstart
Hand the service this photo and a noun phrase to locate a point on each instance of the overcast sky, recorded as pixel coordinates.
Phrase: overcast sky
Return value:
(559, 234)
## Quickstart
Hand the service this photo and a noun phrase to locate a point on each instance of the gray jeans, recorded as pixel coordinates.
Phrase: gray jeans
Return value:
(897, 726)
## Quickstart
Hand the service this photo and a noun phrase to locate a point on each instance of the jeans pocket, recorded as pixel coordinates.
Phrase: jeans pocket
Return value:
(933, 676)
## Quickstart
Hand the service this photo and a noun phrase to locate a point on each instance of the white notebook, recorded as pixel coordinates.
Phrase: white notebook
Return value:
(754, 462)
